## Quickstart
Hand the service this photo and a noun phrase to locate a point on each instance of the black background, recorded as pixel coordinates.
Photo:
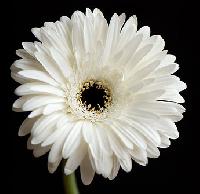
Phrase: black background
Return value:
(175, 170)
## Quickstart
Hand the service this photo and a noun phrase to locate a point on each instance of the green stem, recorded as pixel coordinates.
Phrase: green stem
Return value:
(70, 185)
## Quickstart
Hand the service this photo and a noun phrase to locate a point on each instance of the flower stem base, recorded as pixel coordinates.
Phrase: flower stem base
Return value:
(70, 185)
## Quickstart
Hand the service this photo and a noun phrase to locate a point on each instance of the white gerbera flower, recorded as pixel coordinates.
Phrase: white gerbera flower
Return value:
(100, 95)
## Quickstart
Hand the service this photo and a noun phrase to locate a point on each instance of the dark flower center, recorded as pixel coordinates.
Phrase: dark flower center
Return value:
(94, 96)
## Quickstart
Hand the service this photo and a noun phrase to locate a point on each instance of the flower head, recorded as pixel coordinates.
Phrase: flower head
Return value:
(100, 95)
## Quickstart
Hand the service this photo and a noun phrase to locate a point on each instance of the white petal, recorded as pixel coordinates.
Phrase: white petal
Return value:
(115, 169)
(20, 101)
(77, 36)
(127, 32)
(175, 118)
(50, 66)
(29, 145)
(137, 57)
(57, 133)
(112, 37)
(100, 153)
(122, 135)
(43, 122)
(38, 101)
(168, 128)
(27, 64)
(100, 28)
(152, 151)
(53, 108)
(62, 62)
(148, 96)
(75, 159)
(144, 72)
(29, 47)
(158, 45)
(65, 119)
(172, 95)
(26, 126)
(64, 30)
(50, 37)
(23, 54)
(126, 164)
(96, 12)
(165, 142)
(139, 85)
(119, 150)
(55, 154)
(169, 82)
(36, 32)
(36, 112)
(129, 50)
(139, 155)
(39, 151)
(145, 31)
(40, 137)
(88, 36)
(38, 75)
(122, 18)
(38, 88)
(66, 22)
(87, 172)
(168, 69)
(141, 114)
(169, 59)
(90, 136)
(149, 132)
(89, 15)
(103, 139)
(52, 166)
(127, 130)
(104, 165)
(162, 108)
(73, 140)
(18, 78)
(87, 131)
(52, 137)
